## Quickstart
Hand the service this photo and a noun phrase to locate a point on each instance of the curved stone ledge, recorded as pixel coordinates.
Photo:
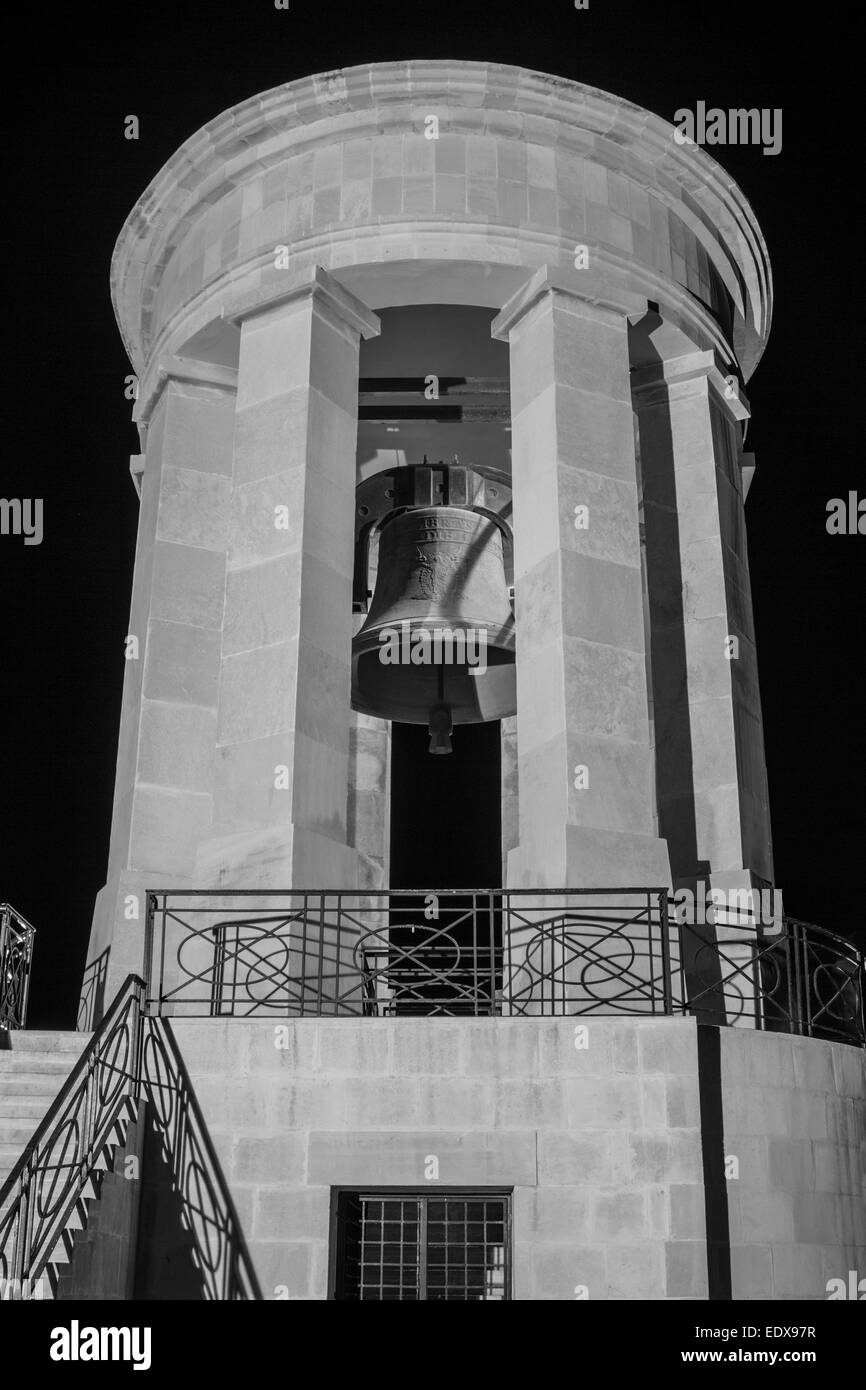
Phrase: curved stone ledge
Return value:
(527, 166)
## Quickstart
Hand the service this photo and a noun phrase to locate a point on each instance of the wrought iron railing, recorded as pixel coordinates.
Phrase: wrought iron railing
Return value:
(17, 939)
(799, 979)
(575, 952)
(92, 997)
(395, 954)
(130, 1058)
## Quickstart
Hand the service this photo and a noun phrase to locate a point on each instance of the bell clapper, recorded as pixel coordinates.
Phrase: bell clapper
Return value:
(440, 720)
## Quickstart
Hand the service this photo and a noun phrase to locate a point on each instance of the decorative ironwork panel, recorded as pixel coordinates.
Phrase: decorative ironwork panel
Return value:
(801, 979)
(17, 939)
(476, 952)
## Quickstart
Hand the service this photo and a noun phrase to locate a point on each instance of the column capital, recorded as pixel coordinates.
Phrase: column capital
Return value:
(321, 287)
(578, 285)
(169, 368)
(691, 374)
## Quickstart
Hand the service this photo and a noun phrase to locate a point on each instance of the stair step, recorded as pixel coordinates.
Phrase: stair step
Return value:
(33, 1084)
(15, 1132)
(13, 1064)
(46, 1041)
(42, 1284)
(23, 1107)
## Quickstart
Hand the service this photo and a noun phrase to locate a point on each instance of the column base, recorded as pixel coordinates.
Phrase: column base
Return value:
(584, 857)
(117, 939)
(283, 856)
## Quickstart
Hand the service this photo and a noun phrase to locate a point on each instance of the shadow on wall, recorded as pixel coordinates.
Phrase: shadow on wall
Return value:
(91, 1004)
(719, 1278)
(166, 1264)
(190, 1244)
(666, 645)
(162, 1224)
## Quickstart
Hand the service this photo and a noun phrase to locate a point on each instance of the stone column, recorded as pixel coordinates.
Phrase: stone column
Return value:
(581, 669)
(711, 775)
(163, 789)
(282, 743)
(586, 810)
(369, 812)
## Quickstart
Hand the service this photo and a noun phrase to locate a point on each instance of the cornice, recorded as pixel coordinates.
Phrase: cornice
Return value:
(513, 101)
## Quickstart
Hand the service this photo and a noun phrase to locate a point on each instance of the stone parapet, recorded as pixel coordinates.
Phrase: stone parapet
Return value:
(612, 1149)
(340, 169)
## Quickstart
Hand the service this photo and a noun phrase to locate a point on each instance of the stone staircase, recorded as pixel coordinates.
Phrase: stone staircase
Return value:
(33, 1069)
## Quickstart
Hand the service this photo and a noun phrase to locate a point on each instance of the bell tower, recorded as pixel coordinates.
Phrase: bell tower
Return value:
(443, 679)
(510, 421)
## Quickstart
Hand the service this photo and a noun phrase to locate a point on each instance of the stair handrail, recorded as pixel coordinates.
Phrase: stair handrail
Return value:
(72, 1134)
(114, 1069)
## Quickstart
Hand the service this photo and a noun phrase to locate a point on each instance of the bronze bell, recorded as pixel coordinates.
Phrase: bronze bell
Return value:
(438, 644)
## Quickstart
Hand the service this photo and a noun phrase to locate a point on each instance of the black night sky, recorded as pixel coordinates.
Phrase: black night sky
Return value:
(74, 73)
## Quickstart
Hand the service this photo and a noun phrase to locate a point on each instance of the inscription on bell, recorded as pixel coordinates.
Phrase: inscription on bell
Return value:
(439, 574)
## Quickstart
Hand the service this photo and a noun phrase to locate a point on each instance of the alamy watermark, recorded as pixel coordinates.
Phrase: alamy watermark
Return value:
(846, 517)
(746, 907)
(734, 127)
(438, 646)
(854, 1288)
(22, 516)
(77, 1343)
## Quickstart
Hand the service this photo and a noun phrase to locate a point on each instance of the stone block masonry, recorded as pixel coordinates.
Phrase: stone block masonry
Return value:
(593, 1125)
(598, 1134)
(794, 1123)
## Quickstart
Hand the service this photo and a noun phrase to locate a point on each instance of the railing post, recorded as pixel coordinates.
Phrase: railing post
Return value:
(506, 953)
(321, 952)
(667, 983)
(759, 1001)
(28, 973)
(808, 1022)
(792, 981)
(21, 1260)
(149, 927)
(5, 935)
(338, 951)
(90, 1098)
(138, 1050)
(792, 957)
(681, 946)
(491, 1009)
